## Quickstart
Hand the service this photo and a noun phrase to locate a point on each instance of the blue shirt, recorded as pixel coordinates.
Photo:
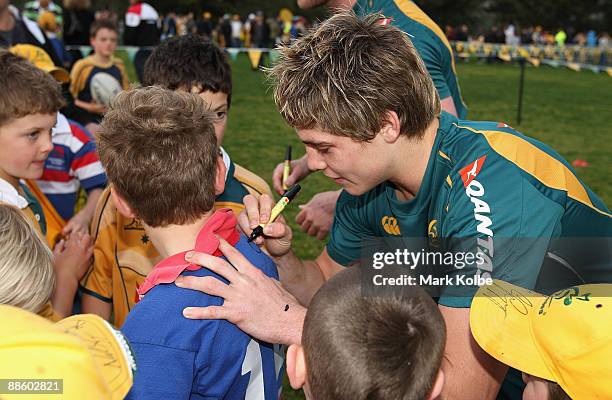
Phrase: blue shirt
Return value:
(178, 358)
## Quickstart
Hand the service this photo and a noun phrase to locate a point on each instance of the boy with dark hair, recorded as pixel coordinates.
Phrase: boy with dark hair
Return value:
(103, 39)
(143, 133)
(123, 254)
(358, 346)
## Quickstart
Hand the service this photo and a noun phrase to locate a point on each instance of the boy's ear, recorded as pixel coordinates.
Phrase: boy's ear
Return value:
(391, 129)
(438, 385)
(220, 177)
(122, 206)
(296, 366)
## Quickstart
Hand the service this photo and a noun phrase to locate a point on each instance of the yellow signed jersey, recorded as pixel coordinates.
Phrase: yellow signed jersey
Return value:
(124, 254)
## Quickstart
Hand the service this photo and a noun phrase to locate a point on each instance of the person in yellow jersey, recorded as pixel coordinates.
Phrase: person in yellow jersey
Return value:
(562, 343)
(123, 253)
(80, 357)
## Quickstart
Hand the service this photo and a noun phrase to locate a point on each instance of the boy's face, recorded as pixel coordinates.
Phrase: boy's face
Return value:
(25, 144)
(104, 42)
(217, 103)
(356, 166)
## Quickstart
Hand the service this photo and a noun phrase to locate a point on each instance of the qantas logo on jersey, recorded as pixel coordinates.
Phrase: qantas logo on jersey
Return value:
(470, 172)
(482, 214)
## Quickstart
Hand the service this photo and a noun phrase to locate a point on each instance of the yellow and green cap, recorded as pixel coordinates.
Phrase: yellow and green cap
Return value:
(41, 60)
(90, 358)
(565, 337)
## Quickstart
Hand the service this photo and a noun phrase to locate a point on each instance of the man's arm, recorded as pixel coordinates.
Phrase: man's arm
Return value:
(448, 105)
(470, 372)
(303, 278)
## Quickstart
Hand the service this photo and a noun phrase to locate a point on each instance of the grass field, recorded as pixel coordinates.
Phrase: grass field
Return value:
(563, 108)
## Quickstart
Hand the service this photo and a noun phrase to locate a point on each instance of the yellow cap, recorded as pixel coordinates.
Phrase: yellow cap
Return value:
(91, 358)
(41, 60)
(565, 337)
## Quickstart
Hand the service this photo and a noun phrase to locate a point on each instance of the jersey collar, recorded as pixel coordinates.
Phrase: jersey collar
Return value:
(10, 195)
(222, 223)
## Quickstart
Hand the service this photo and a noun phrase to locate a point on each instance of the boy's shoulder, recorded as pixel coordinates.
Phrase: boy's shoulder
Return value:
(165, 302)
(168, 301)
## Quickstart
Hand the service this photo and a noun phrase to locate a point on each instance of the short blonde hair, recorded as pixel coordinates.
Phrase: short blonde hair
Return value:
(26, 263)
(345, 75)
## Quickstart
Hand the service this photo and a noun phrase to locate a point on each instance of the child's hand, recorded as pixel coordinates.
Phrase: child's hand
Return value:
(72, 257)
(78, 223)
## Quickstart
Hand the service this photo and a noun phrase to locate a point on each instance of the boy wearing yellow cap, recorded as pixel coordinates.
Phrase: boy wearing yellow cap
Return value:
(564, 338)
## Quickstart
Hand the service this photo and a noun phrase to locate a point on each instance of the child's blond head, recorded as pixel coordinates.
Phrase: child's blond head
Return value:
(26, 262)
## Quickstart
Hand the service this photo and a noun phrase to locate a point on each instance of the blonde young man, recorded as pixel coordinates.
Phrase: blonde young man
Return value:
(363, 104)
(316, 216)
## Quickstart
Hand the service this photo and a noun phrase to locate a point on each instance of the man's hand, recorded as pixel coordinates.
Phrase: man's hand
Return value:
(317, 215)
(299, 171)
(258, 211)
(254, 302)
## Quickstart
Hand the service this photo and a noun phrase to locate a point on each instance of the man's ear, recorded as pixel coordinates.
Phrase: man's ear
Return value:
(438, 385)
(122, 206)
(391, 129)
(296, 366)
(220, 176)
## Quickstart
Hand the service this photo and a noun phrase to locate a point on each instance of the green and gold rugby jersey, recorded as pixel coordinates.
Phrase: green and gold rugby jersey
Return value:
(428, 39)
(491, 185)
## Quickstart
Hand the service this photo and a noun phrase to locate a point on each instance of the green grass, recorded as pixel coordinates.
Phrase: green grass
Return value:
(563, 108)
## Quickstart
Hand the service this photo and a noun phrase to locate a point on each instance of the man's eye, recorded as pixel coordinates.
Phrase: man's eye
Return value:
(323, 150)
(221, 114)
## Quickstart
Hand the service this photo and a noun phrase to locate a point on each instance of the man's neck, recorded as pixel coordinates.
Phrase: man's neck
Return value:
(411, 163)
(7, 21)
(173, 239)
